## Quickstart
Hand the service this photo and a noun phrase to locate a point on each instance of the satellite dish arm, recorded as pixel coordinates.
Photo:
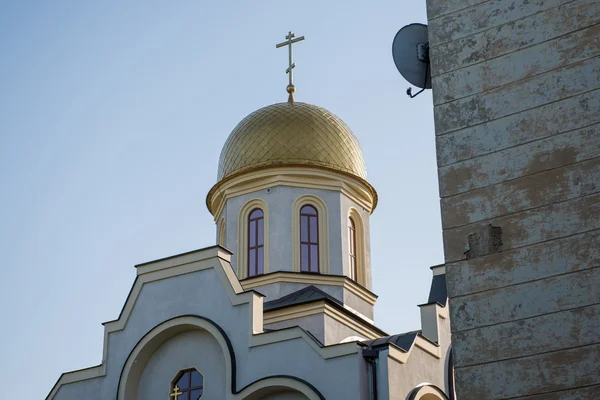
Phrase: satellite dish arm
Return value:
(409, 90)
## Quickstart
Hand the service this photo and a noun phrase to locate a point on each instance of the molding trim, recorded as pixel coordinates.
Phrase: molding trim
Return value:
(357, 189)
(242, 254)
(323, 231)
(326, 309)
(299, 311)
(401, 356)
(438, 269)
(311, 279)
(351, 323)
(189, 367)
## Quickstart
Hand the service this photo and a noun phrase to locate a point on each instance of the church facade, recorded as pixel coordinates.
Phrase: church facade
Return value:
(282, 306)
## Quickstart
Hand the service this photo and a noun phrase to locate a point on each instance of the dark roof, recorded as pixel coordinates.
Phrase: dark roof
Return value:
(402, 340)
(310, 294)
(306, 295)
(438, 293)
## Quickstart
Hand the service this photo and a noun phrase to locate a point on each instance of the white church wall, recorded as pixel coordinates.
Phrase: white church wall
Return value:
(201, 293)
(198, 293)
(326, 329)
(89, 390)
(196, 349)
(280, 201)
(315, 324)
(358, 304)
(335, 331)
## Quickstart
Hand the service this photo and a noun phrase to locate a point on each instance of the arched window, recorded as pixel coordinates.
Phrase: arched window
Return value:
(357, 259)
(309, 239)
(256, 242)
(188, 385)
(352, 249)
(310, 235)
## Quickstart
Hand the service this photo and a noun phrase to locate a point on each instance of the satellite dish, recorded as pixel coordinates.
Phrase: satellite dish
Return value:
(410, 50)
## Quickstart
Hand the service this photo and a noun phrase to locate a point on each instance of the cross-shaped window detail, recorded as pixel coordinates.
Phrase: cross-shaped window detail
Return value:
(187, 385)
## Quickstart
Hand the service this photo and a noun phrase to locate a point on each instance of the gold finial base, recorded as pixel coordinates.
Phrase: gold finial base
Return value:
(290, 89)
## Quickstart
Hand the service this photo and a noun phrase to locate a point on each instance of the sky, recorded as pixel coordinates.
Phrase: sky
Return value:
(112, 117)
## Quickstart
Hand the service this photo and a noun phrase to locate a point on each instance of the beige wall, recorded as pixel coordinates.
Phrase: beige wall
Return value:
(421, 368)
(516, 104)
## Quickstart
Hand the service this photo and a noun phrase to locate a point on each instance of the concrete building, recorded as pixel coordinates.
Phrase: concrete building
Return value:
(516, 92)
(288, 313)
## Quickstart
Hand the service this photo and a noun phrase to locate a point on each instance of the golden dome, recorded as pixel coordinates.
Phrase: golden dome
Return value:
(291, 134)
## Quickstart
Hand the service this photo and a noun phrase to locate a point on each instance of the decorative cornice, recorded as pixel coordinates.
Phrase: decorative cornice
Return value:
(339, 314)
(313, 177)
(311, 279)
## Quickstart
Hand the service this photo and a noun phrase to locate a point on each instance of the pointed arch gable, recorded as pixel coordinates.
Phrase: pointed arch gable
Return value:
(143, 350)
(215, 258)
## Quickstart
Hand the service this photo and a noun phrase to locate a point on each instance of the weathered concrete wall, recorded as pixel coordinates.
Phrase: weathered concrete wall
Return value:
(516, 91)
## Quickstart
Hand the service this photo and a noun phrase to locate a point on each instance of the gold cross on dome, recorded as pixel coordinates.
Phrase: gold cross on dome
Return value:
(176, 393)
(290, 40)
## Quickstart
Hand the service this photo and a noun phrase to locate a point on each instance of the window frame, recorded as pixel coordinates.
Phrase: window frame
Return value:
(352, 249)
(259, 244)
(361, 275)
(309, 243)
(240, 260)
(322, 232)
(187, 392)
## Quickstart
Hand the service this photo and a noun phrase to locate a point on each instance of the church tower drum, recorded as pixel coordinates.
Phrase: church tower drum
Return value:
(292, 198)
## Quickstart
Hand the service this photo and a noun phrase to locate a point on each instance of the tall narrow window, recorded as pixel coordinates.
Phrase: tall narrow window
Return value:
(352, 249)
(309, 239)
(256, 242)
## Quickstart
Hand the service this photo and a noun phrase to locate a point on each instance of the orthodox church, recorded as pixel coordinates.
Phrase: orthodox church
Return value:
(282, 306)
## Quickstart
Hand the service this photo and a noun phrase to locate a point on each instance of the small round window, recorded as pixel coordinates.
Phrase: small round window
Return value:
(187, 385)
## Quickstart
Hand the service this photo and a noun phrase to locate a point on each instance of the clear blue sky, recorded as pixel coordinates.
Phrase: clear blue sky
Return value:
(112, 117)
